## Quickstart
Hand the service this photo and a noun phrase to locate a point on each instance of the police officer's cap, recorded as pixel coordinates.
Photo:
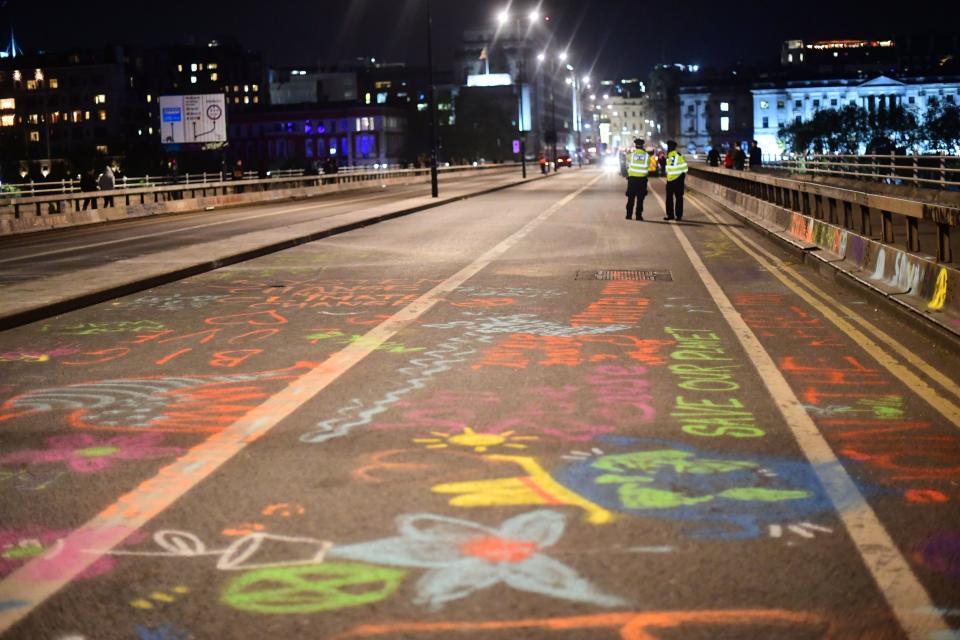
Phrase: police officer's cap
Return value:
(639, 142)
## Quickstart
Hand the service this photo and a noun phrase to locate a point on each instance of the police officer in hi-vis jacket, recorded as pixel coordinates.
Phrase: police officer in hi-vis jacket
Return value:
(676, 172)
(637, 169)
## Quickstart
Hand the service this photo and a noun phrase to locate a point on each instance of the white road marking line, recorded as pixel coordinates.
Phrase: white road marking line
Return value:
(893, 575)
(33, 583)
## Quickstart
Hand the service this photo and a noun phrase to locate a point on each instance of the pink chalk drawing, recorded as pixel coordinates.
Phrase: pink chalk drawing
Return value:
(20, 546)
(85, 453)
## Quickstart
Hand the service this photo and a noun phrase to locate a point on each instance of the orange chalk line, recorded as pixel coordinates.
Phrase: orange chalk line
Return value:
(132, 511)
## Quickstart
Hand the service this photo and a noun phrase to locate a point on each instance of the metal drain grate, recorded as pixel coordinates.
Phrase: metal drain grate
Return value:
(626, 274)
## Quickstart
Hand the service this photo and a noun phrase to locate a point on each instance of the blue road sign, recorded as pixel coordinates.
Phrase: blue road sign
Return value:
(171, 114)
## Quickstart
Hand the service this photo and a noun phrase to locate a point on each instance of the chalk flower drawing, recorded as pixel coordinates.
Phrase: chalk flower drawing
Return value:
(86, 454)
(463, 557)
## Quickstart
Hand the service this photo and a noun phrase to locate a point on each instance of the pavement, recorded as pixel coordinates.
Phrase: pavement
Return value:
(512, 416)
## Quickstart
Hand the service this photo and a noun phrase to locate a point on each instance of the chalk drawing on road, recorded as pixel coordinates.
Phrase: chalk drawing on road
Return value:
(480, 442)
(462, 557)
(160, 597)
(85, 453)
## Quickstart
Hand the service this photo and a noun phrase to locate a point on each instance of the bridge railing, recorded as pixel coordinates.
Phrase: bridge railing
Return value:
(72, 185)
(60, 202)
(935, 171)
(848, 208)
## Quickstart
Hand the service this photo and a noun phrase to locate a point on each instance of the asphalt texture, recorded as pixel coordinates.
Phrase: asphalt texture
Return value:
(446, 426)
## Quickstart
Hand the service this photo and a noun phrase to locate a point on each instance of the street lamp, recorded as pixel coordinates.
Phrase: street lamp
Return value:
(434, 187)
(503, 17)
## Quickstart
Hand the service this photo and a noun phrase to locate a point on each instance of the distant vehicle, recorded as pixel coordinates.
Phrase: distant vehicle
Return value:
(564, 160)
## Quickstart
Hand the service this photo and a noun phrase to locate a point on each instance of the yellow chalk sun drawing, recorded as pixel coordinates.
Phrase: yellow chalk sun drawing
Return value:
(479, 442)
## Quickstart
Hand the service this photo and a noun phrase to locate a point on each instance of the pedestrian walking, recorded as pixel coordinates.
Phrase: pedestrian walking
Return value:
(739, 158)
(88, 184)
(676, 174)
(756, 156)
(106, 182)
(713, 158)
(638, 167)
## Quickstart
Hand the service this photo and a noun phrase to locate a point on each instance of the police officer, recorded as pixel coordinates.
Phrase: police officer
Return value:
(637, 170)
(676, 172)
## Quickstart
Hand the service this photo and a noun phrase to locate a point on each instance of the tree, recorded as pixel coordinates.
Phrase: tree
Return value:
(852, 128)
(941, 128)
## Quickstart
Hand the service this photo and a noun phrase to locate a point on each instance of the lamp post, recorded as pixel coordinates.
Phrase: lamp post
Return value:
(434, 187)
(503, 17)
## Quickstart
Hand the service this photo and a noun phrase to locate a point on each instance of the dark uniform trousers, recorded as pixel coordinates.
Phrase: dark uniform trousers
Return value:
(636, 192)
(675, 198)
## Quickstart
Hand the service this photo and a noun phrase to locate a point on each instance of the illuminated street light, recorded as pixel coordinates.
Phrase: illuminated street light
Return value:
(563, 56)
(502, 17)
(541, 57)
(534, 15)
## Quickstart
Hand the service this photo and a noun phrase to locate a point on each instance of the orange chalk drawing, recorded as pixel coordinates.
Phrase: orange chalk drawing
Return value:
(284, 510)
(623, 625)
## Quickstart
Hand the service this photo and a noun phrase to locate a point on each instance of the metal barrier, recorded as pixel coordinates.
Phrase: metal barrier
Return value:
(941, 172)
(846, 207)
(59, 203)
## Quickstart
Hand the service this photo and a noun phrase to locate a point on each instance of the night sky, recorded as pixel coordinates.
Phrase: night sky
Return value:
(617, 38)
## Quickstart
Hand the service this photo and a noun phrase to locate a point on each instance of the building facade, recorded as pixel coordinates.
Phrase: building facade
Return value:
(717, 114)
(788, 102)
(305, 136)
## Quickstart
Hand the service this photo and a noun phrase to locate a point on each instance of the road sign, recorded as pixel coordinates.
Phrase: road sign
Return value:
(516, 146)
(193, 119)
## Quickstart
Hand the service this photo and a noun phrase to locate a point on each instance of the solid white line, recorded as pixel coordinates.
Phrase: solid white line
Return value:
(33, 583)
(893, 575)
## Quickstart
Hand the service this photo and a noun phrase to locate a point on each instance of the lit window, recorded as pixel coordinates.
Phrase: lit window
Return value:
(764, 104)
(214, 77)
(256, 88)
(33, 118)
(236, 100)
(382, 97)
(246, 88)
(150, 130)
(101, 115)
(724, 106)
(193, 67)
(789, 57)
(200, 67)
(211, 66)
(102, 148)
(17, 76)
(31, 84)
(180, 67)
(724, 123)
(236, 88)
(77, 116)
(366, 98)
(54, 83)
(149, 98)
(193, 79)
(256, 99)
(34, 136)
(8, 104)
(246, 99)
(86, 115)
(100, 99)
(55, 116)
(7, 120)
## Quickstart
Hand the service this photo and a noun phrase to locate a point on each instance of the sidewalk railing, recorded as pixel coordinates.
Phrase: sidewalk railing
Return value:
(848, 208)
(932, 172)
(149, 191)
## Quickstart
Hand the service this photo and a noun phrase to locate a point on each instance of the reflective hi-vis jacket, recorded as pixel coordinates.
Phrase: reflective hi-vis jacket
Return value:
(653, 164)
(637, 167)
(676, 165)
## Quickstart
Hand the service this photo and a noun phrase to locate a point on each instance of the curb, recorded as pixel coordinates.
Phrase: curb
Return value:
(68, 304)
(830, 268)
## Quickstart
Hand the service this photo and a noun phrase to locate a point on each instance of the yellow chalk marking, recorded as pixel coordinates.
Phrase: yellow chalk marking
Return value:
(161, 597)
(940, 292)
(140, 603)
